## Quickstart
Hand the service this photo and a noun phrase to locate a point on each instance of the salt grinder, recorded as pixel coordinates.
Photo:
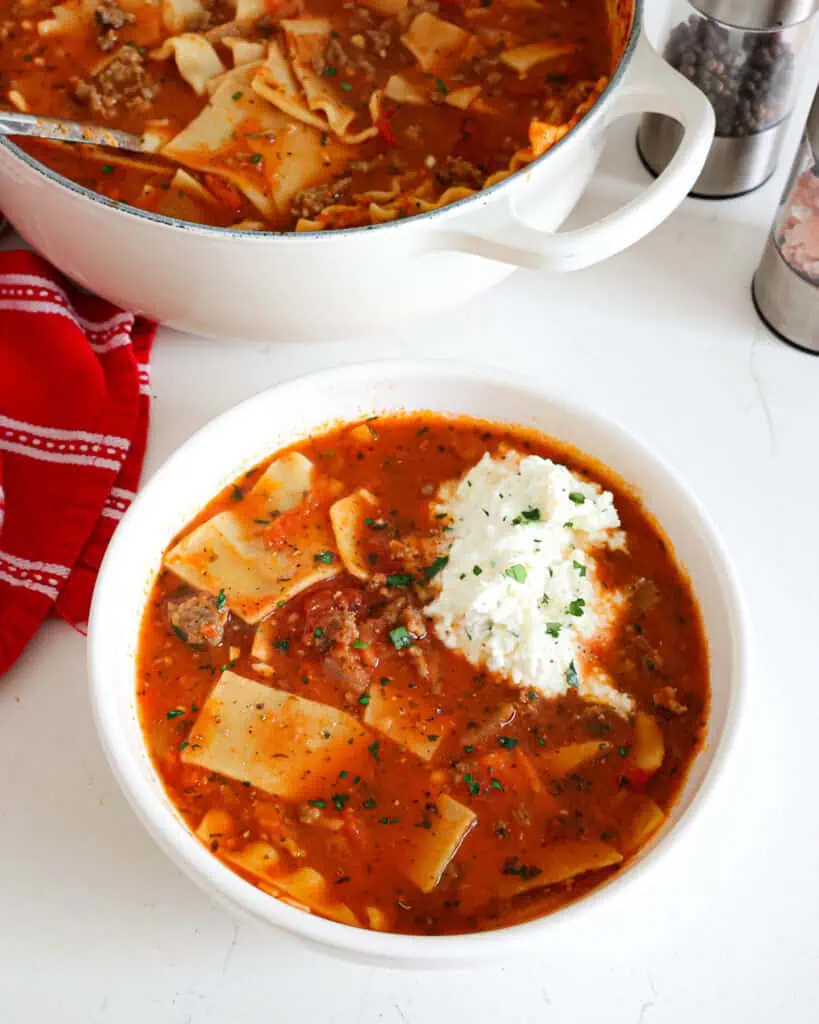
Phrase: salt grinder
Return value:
(786, 285)
(747, 56)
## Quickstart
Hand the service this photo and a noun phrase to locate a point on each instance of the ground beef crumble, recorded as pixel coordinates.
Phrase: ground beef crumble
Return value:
(197, 618)
(457, 171)
(123, 84)
(311, 201)
(110, 18)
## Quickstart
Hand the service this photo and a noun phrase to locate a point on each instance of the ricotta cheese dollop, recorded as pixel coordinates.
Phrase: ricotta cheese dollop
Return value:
(518, 593)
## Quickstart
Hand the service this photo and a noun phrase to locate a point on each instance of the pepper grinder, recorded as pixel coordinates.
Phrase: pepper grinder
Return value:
(747, 56)
(786, 285)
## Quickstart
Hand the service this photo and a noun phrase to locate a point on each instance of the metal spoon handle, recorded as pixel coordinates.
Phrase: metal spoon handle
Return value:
(66, 131)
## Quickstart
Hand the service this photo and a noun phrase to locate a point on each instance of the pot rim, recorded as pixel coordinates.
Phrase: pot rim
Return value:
(261, 237)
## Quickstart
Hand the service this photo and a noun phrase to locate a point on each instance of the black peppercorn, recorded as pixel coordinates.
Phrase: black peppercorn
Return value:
(747, 76)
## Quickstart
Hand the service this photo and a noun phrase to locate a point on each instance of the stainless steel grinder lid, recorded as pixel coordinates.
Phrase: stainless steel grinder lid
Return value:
(757, 14)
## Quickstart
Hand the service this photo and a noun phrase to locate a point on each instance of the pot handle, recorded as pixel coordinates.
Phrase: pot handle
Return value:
(651, 85)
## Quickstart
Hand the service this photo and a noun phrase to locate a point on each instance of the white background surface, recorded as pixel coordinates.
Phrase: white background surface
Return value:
(97, 926)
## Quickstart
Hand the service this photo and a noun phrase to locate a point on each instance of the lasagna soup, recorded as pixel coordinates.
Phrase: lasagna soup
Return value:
(306, 114)
(423, 675)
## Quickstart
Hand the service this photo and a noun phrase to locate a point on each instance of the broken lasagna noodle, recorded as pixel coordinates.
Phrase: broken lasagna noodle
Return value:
(320, 737)
(306, 114)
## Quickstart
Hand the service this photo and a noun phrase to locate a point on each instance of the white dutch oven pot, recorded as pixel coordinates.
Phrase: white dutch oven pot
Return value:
(320, 285)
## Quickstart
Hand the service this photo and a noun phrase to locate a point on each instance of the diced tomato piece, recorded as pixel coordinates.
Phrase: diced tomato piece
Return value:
(636, 778)
(385, 128)
(226, 194)
(351, 827)
(513, 769)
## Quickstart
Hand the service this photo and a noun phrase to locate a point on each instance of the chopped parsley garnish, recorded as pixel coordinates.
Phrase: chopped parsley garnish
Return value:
(281, 645)
(572, 677)
(180, 633)
(622, 751)
(432, 737)
(473, 786)
(330, 72)
(237, 493)
(401, 638)
(343, 773)
(318, 632)
(373, 748)
(496, 784)
(440, 85)
(432, 570)
(360, 645)
(220, 600)
(324, 556)
(553, 628)
(580, 567)
(183, 745)
(107, 168)
(525, 871)
(346, 87)
(256, 158)
(517, 573)
(476, 570)
(317, 803)
(384, 680)
(577, 497)
(530, 515)
(368, 804)
(375, 524)
(339, 800)
(175, 713)
(399, 579)
(364, 699)
(237, 96)
(576, 607)
(388, 821)
(468, 749)
(507, 742)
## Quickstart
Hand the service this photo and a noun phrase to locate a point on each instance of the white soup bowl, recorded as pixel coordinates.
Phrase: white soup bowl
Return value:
(244, 436)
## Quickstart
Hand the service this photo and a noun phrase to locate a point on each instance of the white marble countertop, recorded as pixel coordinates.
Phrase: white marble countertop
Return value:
(96, 925)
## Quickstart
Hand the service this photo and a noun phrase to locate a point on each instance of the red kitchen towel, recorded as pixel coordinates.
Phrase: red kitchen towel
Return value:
(74, 404)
